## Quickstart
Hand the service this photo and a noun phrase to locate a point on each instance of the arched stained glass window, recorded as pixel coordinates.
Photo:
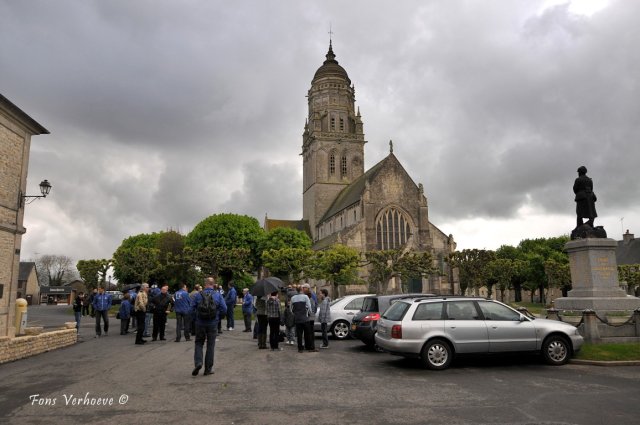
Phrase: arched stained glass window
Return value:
(392, 229)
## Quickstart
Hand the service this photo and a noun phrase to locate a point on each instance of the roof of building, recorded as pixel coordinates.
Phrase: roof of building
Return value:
(19, 115)
(25, 269)
(302, 225)
(628, 252)
(352, 193)
(331, 68)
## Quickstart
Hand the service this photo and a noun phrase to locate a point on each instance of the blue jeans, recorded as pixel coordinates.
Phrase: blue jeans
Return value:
(206, 332)
(78, 315)
(230, 320)
(147, 323)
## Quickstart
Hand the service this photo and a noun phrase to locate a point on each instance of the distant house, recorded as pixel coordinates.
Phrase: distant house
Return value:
(77, 286)
(28, 286)
(628, 250)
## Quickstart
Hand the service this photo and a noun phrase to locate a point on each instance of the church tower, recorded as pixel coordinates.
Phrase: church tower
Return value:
(332, 142)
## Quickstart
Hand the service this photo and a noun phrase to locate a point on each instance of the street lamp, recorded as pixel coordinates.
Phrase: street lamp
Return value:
(45, 188)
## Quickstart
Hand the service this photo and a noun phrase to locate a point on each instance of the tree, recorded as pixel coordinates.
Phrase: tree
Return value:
(228, 232)
(136, 265)
(55, 270)
(284, 237)
(337, 265)
(558, 275)
(93, 271)
(387, 264)
(472, 267)
(501, 270)
(289, 264)
(629, 273)
(228, 263)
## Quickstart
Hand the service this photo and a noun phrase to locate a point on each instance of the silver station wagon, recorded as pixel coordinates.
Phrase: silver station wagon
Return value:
(435, 329)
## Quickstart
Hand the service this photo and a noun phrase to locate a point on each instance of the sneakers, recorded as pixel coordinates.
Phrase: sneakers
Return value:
(208, 372)
(324, 346)
(229, 329)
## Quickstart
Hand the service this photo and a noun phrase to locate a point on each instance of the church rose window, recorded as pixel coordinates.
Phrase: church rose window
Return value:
(392, 229)
(332, 164)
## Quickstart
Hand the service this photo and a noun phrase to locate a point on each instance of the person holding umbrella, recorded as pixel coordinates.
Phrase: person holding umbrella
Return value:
(261, 290)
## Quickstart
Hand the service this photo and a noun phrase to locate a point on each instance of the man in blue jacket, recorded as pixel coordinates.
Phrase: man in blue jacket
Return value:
(230, 300)
(101, 305)
(247, 309)
(206, 327)
(182, 304)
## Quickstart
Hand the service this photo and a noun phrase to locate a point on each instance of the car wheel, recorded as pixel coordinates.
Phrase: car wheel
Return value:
(437, 354)
(556, 350)
(340, 330)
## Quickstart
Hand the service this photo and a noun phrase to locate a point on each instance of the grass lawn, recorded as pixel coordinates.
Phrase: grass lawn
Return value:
(535, 308)
(609, 352)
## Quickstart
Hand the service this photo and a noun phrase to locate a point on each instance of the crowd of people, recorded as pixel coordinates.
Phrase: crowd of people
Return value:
(200, 313)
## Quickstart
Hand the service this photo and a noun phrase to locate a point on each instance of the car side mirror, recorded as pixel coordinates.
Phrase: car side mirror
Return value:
(522, 318)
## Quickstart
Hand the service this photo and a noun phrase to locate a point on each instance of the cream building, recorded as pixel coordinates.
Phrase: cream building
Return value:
(16, 129)
(376, 209)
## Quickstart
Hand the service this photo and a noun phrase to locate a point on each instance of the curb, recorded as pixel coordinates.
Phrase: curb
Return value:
(605, 363)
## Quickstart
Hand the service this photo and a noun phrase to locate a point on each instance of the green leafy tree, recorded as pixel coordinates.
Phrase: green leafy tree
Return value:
(237, 234)
(629, 273)
(558, 275)
(472, 267)
(387, 264)
(289, 264)
(337, 265)
(137, 264)
(502, 270)
(89, 272)
(284, 237)
(228, 263)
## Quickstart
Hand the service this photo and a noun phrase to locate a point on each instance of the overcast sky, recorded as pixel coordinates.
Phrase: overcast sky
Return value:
(162, 113)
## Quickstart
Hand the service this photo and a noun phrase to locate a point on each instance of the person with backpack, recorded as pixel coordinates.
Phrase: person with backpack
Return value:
(208, 306)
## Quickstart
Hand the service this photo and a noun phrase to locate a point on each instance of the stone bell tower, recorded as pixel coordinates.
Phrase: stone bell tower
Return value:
(332, 142)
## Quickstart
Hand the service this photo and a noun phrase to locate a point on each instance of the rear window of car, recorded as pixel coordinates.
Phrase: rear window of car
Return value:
(370, 304)
(428, 311)
(396, 311)
(355, 304)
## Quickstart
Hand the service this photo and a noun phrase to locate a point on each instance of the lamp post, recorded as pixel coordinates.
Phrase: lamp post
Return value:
(45, 188)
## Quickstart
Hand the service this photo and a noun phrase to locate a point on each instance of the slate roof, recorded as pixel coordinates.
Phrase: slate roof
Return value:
(352, 193)
(25, 269)
(628, 252)
(21, 116)
(302, 225)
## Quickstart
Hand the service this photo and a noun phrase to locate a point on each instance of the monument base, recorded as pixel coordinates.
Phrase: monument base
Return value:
(598, 304)
(594, 278)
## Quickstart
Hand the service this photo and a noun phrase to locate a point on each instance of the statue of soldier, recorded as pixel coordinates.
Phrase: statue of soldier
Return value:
(585, 198)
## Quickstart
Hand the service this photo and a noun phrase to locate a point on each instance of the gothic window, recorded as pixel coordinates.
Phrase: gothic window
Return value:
(392, 229)
(332, 164)
(343, 166)
(341, 124)
(333, 123)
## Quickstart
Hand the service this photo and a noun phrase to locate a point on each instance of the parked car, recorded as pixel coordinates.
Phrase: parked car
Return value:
(364, 323)
(342, 312)
(436, 329)
(116, 296)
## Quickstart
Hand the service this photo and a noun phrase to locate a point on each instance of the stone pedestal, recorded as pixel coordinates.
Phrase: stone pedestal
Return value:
(594, 278)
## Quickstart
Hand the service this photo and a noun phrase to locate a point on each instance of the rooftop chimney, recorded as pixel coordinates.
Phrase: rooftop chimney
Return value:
(627, 237)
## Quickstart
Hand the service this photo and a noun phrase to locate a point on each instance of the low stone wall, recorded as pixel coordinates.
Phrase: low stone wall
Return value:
(25, 346)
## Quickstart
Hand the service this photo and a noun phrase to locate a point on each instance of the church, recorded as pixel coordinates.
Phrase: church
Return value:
(377, 209)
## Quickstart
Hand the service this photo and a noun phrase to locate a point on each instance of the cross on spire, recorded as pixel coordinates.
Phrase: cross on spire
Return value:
(330, 33)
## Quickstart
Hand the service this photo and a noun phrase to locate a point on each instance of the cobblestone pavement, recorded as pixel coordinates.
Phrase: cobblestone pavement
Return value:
(346, 384)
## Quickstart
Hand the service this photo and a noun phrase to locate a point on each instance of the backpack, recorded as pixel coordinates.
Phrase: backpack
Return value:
(207, 309)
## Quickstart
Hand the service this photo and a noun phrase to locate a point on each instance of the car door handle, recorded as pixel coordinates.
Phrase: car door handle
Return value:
(350, 314)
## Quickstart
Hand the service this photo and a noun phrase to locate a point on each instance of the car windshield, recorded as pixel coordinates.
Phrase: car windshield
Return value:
(370, 304)
(396, 311)
(337, 300)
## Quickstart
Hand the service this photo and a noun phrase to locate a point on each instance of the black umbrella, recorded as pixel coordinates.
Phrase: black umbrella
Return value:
(266, 286)
(127, 288)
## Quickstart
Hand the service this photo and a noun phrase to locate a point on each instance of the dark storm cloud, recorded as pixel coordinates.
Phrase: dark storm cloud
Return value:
(163, 113)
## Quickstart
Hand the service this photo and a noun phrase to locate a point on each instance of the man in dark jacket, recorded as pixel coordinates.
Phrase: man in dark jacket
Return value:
(301, 308)
(161, 307)
(230, 299)
(206, 328)
(182, 303)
